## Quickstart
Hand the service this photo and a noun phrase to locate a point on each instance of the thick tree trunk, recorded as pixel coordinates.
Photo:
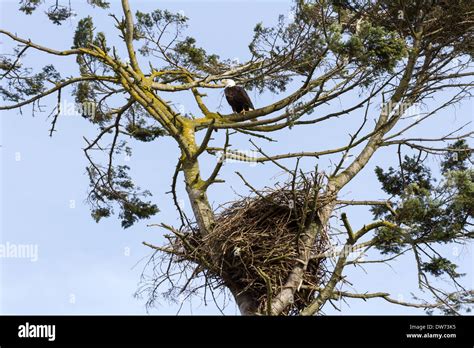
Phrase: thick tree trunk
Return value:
(205, 220)
(194, 184)
(246, 304)
(198, 197)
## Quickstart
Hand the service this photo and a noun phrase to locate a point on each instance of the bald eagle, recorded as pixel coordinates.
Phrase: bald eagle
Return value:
(237, 97)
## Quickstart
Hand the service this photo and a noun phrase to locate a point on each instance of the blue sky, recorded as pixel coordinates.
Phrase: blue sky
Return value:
(89, 268)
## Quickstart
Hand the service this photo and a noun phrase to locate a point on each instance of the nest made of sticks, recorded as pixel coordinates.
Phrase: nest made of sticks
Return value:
(256, 242)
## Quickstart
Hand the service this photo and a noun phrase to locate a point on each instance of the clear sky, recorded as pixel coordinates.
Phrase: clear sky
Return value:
(84, 267)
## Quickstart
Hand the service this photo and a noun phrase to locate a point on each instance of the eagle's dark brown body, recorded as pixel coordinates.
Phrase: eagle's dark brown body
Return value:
(238, 99)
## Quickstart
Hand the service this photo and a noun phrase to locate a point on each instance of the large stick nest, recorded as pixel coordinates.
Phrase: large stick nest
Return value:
(257, 241)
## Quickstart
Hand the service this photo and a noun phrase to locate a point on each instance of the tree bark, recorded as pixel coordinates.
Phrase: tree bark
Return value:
(197, 197)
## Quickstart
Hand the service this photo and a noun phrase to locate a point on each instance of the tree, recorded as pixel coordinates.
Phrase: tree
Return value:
(271, 250)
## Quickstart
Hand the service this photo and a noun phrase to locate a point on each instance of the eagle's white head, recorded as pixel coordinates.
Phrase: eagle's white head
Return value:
(228, 83)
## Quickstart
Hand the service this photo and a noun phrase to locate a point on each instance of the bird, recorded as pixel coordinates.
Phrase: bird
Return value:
(237, 97)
